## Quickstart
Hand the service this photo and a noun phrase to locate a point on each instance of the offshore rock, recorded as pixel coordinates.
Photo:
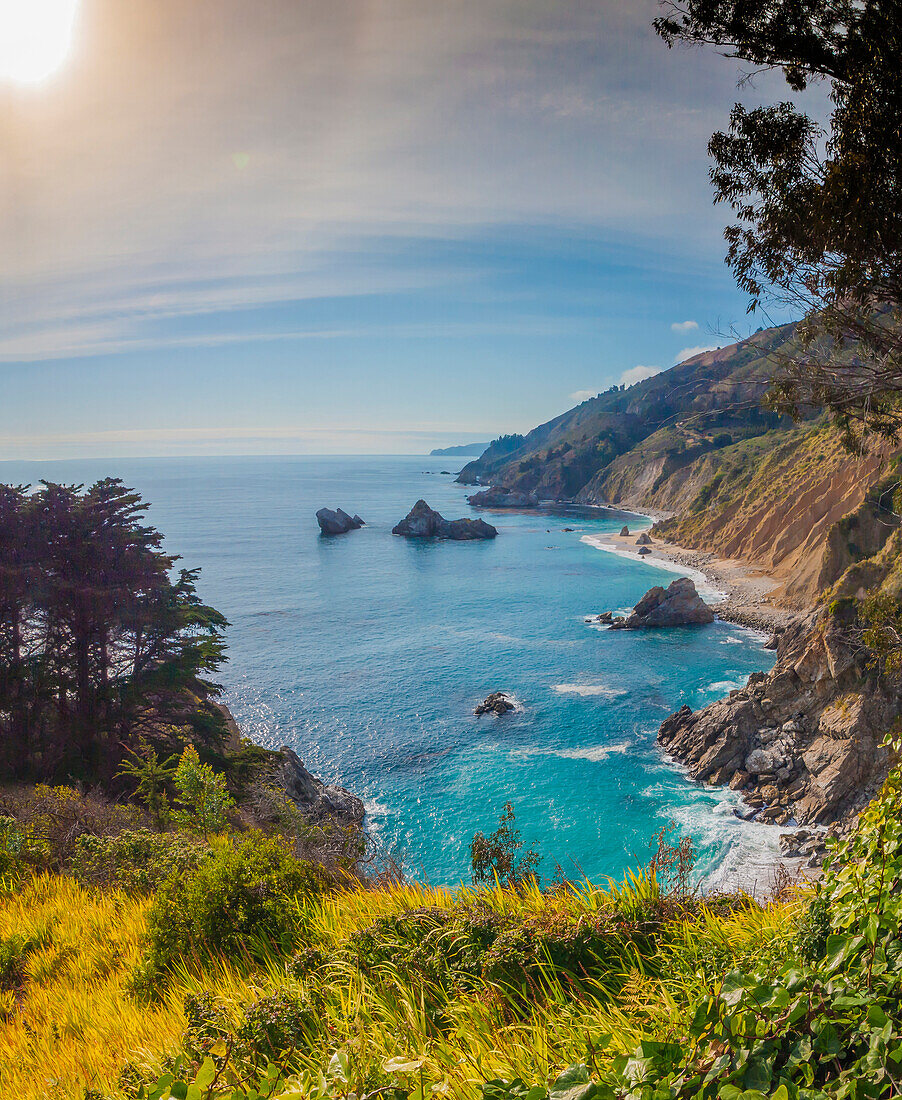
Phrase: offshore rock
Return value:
(678, 605)
(313, 797)
(499, 497)
(337, 522)
(806, 736)
(423, 522)
(498, 702)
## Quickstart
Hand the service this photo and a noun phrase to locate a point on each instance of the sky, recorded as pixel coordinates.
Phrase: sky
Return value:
(352, 226)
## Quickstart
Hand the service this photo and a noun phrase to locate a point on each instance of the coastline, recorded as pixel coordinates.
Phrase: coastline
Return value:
(737, 591)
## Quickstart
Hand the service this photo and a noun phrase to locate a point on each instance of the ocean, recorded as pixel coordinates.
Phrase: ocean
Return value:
(367, 653)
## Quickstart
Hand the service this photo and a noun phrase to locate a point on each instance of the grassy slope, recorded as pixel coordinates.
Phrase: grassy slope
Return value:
(72, 1023)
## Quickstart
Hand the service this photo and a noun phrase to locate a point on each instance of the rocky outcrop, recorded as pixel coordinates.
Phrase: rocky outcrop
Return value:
(314, 798)
(678, 605)
(423, 522)
(643, 540)
(337, 522)
(499, 497)
(499, 702)
(624, 532)
(803, 742)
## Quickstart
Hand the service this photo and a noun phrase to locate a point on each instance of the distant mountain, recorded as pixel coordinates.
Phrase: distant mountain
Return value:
(462, 449)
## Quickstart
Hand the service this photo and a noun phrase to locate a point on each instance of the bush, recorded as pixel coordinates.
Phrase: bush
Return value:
(282, 1022)
(20, 852)
(136, 860)
(238, 902)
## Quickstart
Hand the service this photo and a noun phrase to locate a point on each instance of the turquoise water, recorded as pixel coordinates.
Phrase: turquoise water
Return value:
(368, 652)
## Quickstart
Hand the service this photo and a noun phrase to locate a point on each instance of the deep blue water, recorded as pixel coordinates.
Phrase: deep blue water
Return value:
(368, 652)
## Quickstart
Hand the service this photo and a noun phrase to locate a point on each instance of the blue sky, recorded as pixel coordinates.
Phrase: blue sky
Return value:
(351, 226)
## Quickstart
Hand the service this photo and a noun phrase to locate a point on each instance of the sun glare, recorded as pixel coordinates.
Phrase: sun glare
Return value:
(35, 36)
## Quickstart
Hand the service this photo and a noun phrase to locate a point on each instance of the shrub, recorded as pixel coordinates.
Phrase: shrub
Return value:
(238, 902)
(498, 855)
(203, 795)
(136, 860)
(20, 852)
(282, 1022)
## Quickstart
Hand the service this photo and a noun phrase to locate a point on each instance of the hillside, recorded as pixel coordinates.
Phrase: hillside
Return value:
(738, 481)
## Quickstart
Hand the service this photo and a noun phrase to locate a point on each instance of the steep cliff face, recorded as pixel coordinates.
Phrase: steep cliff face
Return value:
(802, 509)
(804, 742)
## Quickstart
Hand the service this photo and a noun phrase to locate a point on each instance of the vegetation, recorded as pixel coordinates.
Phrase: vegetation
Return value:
(99, 646)
(818, 212)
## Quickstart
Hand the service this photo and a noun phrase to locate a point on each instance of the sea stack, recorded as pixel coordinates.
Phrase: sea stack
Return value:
(625, 533)
(678, 605)
(423, 522)
(337, 522)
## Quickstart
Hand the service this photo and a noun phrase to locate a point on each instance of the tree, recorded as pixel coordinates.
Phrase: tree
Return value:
(818, 213)
(100, 645)
(497, 856)
(202, 794)
(152, 776)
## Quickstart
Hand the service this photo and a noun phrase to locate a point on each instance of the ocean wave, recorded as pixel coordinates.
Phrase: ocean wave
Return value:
(595, 753)
(587, 690)
(723, 686)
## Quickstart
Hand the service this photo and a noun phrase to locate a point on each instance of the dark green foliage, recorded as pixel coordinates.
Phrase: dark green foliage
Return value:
(498, 855)
(136, 860)
(240, 902)
(99, 645)
(277, 1025)
(21, 852)
(13, 953)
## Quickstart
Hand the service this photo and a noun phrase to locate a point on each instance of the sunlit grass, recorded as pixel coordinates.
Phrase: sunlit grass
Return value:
(73, 1024)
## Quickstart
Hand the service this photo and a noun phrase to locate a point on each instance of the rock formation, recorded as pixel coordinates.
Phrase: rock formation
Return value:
(624, 532)
(313, 797)
(644, 551)
(423, 522)
(643, 539)
(499, 497)
(678, 605)
(498, 702)
(337, 522)
(803, 741)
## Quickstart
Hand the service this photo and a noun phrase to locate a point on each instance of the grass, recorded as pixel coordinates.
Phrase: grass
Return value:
(70, 1023)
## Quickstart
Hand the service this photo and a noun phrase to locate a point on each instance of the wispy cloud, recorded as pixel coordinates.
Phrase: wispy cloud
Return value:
(637, 374)
(690, 353)
(578, 396)
(684, 326)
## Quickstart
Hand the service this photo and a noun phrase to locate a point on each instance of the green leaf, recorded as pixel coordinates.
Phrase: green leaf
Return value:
(205, 1074)
(573, 1084)
(403, 1065)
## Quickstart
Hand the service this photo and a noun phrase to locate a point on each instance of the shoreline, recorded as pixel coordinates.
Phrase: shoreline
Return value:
(737, 592)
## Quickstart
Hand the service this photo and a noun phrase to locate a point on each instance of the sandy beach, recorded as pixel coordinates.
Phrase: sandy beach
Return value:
(737, 591)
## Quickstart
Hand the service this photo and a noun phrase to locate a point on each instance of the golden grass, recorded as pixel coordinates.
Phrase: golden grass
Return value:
(73, 1025)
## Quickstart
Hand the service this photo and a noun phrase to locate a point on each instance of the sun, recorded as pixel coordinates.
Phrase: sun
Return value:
(35, 36)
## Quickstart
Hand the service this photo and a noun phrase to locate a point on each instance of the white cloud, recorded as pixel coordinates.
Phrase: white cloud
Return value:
(582, 395)
(690, 353)
(684, 326)
(636, 374)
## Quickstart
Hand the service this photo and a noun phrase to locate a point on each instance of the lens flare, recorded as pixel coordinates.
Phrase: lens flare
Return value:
(35, 36)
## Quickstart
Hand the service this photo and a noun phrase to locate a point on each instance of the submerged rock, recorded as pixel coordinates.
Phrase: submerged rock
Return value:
(498, 702)
(498, 497)
(678, 605)
(337, 522)
(423, 522)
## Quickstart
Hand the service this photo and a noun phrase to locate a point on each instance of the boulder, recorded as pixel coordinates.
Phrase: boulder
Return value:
(644, 551)
(337, 522)
(498, 702)
(624, 533)
(643, 540)
(498, 497)
(678, 605)
(423, 522)
(313, 797)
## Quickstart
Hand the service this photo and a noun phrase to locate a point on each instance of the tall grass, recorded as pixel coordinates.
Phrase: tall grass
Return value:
(71, 1024)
